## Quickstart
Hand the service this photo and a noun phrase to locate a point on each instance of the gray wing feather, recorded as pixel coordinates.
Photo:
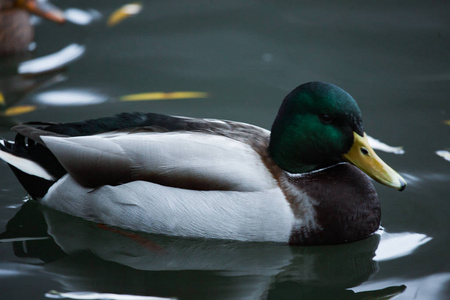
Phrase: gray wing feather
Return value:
(185, 160)
(91, 163)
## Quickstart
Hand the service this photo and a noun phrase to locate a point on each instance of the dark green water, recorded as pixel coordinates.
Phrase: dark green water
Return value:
(393, 57)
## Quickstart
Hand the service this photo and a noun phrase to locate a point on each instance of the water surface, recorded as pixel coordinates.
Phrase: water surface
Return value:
(392, 57)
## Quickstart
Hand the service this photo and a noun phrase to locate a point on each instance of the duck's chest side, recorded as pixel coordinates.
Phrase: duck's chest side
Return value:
(336, 205)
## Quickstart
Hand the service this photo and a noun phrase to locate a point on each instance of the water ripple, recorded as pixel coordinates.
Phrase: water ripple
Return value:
(395, 245)
(81, 17)
(99, 296)
(52, 61)
(377, 144)
(71, 97)
(444, 154)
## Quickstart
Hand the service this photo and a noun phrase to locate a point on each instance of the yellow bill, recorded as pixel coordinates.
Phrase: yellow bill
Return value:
(362, 156)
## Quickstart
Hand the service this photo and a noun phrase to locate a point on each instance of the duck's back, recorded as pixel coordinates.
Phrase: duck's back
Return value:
(199, 154)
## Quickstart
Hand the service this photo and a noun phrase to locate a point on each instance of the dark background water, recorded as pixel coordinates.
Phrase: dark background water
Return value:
(393, 57)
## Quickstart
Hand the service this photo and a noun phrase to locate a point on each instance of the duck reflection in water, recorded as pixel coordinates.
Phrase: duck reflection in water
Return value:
(83, 256)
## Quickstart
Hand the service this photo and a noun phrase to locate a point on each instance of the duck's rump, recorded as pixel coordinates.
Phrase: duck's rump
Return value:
(199, 154)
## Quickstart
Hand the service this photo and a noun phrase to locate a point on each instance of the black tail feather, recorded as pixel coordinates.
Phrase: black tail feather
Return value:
(26, 148)
(36, 187)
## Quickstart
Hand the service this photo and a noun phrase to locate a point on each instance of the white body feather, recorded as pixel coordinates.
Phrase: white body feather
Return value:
(149, 207)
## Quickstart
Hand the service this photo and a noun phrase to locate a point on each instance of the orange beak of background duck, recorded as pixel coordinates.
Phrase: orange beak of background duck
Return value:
(362, 156)
(43, 9)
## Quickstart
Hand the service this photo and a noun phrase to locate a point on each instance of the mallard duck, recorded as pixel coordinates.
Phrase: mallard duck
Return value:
(303, 182)
(16, 31)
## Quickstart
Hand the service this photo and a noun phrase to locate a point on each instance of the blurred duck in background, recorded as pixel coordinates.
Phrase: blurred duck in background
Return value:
(16, 30)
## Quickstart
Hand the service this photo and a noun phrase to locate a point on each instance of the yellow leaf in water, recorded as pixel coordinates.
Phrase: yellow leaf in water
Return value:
(2, 99)
(18, 110)
(446, 122)
(163, 96)
(124, 12)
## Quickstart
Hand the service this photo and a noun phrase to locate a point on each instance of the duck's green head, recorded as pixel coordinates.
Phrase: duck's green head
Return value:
(319, 125)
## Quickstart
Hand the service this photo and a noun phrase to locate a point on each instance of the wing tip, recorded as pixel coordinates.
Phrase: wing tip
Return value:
(25, 165)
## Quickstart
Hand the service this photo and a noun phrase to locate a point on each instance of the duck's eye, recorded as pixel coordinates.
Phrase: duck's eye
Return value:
(326, 118)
